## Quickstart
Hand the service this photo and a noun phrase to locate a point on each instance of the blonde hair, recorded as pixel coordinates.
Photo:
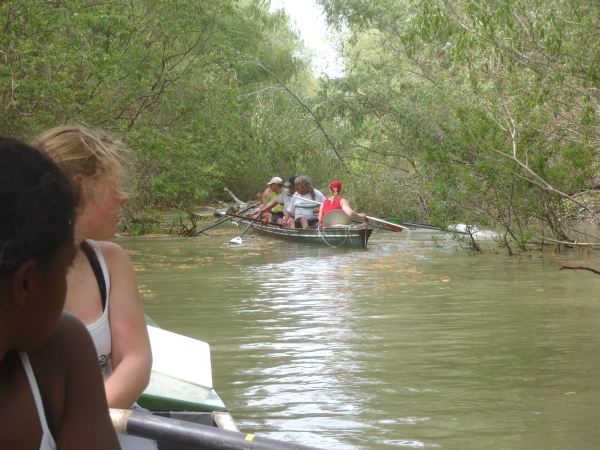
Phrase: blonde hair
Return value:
(79, 150)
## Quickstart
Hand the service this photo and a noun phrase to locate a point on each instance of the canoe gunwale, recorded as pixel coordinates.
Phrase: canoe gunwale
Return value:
(355, 236)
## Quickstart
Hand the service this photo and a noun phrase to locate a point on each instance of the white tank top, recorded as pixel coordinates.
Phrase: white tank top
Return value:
(100, 329)
(47, 439)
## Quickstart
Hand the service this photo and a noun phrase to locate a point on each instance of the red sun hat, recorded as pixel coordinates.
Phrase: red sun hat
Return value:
(335, 185)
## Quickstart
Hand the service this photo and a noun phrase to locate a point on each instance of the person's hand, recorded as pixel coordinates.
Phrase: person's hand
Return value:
(363, 216)
(316, 209)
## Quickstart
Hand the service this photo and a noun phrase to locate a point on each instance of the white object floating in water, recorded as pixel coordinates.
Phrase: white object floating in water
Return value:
(180, 357)
(475, 232)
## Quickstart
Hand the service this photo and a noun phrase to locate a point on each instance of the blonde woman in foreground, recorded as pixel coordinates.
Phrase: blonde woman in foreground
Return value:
(102, 286)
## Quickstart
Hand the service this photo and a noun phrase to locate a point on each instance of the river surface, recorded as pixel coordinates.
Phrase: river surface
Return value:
(404, 345)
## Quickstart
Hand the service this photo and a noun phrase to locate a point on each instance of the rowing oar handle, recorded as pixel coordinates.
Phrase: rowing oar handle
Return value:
(219, 222)
(263, 221)
(192, 435)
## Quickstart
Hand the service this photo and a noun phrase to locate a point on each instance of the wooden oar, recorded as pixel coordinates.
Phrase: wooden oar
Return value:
(192, 435)
(264, 222)
(224, 220)
(238, 239)
(421, 225)
(392, 226)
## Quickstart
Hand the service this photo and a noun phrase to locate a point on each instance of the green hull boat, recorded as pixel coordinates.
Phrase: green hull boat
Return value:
(355, 236)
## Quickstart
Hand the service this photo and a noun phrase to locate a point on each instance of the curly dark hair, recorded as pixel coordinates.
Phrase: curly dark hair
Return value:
(37, 207)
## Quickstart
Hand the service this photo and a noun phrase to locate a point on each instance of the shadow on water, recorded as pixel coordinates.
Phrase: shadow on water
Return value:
(402, 345)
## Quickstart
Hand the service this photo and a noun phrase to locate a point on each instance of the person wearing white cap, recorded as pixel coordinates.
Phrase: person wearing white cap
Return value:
(274, 189)
(283, 201)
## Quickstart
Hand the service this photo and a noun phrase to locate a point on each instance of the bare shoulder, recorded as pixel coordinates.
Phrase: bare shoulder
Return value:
(69, 327)
(71, 340)
(67, 367)
(117, 260)
(112, 251)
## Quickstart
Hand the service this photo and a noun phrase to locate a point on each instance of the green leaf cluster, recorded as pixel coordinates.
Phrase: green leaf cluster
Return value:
(173, 78)
(480, 112)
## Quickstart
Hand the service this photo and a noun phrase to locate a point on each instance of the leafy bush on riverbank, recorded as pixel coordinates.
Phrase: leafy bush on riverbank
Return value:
(482, 112)
(471, 112)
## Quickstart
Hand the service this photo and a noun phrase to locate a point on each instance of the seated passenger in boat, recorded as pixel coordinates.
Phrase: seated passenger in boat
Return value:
(51, 389)
(283, 200)
(334, 201)
(303, 210)
(274, 190)
(102, 287)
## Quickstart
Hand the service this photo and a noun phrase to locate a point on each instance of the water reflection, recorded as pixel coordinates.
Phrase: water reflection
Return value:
(402, 345)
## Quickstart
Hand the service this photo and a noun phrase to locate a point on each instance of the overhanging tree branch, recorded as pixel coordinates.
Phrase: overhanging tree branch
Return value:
(310, 111)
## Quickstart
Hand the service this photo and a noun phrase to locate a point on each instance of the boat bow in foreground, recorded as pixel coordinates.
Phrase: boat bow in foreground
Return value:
(181, 382)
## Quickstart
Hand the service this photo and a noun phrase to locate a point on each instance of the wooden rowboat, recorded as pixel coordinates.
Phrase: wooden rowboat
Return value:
(181, 382)
(353, 236)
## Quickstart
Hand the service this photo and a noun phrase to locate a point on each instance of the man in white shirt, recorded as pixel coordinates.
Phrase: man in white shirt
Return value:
(304, 205)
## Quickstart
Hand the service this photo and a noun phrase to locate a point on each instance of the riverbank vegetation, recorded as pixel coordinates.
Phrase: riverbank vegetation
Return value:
(479, 112)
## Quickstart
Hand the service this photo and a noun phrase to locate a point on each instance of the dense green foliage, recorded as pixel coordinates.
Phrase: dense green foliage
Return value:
(479, 111)
(482, 112)
(170, 77)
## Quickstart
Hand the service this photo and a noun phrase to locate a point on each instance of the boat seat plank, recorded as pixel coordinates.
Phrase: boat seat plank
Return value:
(180, 357)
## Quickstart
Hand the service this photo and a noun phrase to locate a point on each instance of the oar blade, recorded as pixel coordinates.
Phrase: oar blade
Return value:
(391, 227)
(396, 221)
(394, 228)
(236, 240)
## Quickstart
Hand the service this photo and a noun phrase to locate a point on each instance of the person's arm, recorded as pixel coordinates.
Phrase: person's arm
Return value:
(266, 207)
(85, 422)
(266, 194)
(321, 213)
(270, 205)
(319, 197)
(288, 212)
(349, 211)
(131, 353)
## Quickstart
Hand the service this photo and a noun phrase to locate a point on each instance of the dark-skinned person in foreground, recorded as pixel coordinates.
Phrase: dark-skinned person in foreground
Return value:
(51, 388)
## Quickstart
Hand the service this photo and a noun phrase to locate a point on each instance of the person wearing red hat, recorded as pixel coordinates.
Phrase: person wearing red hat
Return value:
(334, 201)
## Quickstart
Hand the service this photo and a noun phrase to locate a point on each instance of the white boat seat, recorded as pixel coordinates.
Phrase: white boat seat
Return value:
(337, 218)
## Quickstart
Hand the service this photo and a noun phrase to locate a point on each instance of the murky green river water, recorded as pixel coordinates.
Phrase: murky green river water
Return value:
(402, 345)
